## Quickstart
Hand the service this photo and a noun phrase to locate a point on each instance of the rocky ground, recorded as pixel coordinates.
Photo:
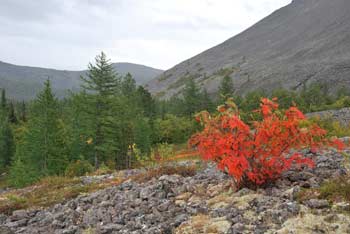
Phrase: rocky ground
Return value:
(342, 115)
(203, 203)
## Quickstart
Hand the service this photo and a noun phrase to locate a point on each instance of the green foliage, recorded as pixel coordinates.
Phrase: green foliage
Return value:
(43, 149)
(7, 144)
(128, 86)
(100, 85)
(3, 103)
(162, 151)
(143, 136)
(252, 100)
(206, 102)
(336, 188)
(173, 129)
(145, 102)
(12, 118)
(250, 103)
(22, 174)
(334, 128)
(314, 97)
(23, 112)
(79, 168)
(114, 122)
(226, 88)
(114, 113)
(104, 169)
(285, 97)
(341, 102)
(141, 159)
(16, 199)
(191, 95)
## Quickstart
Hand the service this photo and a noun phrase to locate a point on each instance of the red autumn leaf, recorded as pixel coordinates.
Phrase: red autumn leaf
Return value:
(261, 153)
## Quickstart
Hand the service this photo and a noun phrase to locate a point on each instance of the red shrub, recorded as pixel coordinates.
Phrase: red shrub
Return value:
(259, 153)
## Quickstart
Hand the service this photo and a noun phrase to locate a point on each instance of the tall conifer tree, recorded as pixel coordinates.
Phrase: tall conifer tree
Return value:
(100, 83)
(3, 103)
(192, 96)
(12, 114)
(23, 112)
(226, 88)
(43, 149)
(7, 144)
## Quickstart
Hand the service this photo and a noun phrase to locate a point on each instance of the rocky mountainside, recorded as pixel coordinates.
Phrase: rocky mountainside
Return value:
(22, 82)
(203, 203)
(342, 115)
(304, 42)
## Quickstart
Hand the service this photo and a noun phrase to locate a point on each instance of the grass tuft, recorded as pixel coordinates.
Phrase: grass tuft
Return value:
(337, 189)
(49, 191)
(334, 190)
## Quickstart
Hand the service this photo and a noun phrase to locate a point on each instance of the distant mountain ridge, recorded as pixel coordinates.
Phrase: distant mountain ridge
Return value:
(24, 82)
(304, 42)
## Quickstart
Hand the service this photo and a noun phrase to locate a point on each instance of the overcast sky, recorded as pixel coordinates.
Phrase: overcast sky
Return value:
(67, 34)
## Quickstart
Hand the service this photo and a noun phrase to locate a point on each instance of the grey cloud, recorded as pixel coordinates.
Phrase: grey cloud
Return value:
(32, 10)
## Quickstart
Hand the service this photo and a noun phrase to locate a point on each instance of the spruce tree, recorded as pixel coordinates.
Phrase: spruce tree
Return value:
(226, 88)
(191, 95)
(128, 86)
(100, 83)
(43, 149)
(23, 112)
(206, 102)
(142, 135)
(3, 103)
(12, 115)
(7, 144)
(79, 124)
(145, 102)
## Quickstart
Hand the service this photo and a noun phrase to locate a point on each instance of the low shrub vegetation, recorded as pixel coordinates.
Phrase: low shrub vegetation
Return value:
(79, 168)
(333, 128)
(49, 191)
(336, 189)
(259, 153)
(55, 189)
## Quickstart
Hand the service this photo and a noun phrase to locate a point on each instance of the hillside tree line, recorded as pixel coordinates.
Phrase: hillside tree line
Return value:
(111, 116)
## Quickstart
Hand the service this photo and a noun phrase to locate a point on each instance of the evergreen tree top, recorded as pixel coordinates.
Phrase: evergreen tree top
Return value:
(3, 99)
(226, 88)
(101, 77)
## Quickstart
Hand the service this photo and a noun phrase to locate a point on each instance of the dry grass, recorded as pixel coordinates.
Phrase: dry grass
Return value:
(334, 190)
(47, 192)
(184, 171)
(53, 190)
(337, 189)
(3, 182)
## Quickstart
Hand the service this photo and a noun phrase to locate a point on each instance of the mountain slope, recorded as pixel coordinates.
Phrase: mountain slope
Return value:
(142, 74)
(304, 42)
(22, 82)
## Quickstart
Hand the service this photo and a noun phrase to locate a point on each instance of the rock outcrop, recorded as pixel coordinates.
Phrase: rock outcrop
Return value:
(342, 115)
(203, 203)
